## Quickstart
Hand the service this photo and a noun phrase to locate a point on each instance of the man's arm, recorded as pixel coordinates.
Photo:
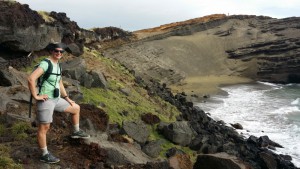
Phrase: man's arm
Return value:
(63, 92)
(32, 84)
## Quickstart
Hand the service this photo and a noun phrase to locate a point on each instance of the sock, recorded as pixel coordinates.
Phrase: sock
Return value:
(76, 127)
(44, 151)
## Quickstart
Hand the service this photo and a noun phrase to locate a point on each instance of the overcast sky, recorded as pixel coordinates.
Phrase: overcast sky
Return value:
(133, 15)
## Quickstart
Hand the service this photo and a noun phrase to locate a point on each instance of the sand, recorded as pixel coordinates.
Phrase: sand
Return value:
(207, 85)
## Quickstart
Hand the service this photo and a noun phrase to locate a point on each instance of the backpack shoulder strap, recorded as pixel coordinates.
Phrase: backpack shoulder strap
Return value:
(46, 75)
(49, 70)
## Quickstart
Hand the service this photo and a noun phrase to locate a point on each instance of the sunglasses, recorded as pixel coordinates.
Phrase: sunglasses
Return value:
(61, 51)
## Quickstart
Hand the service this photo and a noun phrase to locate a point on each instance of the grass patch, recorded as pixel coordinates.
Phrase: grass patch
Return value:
(121, 107)
(5, 161)
(118, 105)
(45, 15)
(154, 135)
(19, 129)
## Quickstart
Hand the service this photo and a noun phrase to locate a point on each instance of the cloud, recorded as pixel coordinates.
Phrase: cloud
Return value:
(139, 14)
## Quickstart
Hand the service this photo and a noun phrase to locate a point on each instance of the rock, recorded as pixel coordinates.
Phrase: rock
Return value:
(151, 119)
(180, 161)
(74, 49)
(179, 133)
(74, 69)
(125, 91)
(196, 143)
(219, 161)
(11, 76)
(119, 153)
(94, 79)
(173, 151)
(269, 160)
(93, 115)
(136, 130)
(237, 126)
(153, 148)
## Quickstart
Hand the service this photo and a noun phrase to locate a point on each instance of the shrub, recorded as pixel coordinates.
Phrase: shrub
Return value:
(19, 130)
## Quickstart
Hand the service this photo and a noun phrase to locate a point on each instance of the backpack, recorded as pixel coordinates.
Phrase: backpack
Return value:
(42, 79)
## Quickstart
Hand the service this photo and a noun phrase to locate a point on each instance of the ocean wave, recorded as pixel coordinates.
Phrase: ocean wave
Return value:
(296, 102)
(262, 109)
(270, 84)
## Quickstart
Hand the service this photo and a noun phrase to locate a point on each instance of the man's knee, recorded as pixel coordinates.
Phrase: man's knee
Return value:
(43, 128)
(76, 107)
(73, 109)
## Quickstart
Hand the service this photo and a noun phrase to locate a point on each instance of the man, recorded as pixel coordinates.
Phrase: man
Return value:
(51, 97)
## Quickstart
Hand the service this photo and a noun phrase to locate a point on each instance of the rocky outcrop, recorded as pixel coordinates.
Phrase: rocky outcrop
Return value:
(219, 161)
(76, 69)
(211, 137)
(24, 30)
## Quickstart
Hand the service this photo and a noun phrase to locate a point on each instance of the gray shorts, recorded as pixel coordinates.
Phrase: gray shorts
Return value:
(45, 109)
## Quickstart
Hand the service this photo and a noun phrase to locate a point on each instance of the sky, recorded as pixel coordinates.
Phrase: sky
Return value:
(131, 15)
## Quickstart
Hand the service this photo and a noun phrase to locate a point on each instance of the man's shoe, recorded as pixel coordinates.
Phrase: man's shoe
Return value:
(80, 134)
(49, 158)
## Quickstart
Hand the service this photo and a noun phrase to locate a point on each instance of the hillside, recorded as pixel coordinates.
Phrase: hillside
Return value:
(121, 81)
(222, 50)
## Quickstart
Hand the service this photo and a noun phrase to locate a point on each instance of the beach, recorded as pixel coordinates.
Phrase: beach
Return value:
(207, 85)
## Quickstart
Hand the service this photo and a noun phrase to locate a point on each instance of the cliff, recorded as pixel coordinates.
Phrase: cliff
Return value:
(134, 119)
(254, 47)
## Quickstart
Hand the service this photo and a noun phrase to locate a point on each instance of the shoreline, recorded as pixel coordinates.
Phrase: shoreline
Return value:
(199, 88)
(249, 128)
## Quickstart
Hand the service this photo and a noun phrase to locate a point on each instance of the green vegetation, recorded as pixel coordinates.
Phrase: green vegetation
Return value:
(119, 106)
(11, 2)
(5, 161)
(154, 135)
(34, 63)
(8, 163)
(115, 103)
(45, 15)
(19, 129)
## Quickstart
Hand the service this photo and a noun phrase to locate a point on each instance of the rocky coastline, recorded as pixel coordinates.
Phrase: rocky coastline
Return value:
(214, 144)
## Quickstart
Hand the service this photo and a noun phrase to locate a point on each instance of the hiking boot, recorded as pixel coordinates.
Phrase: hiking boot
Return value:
(49, 158)
(80, 134)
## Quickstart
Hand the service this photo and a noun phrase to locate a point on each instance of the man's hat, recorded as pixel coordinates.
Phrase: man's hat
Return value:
(52, 46)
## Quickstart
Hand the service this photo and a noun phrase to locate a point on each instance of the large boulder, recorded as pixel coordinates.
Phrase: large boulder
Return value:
(137, 130)
(153, 148)
(94, 79)
(119, 153)
(11, 76)
(179, 133)
(219, 161)
(74, 69)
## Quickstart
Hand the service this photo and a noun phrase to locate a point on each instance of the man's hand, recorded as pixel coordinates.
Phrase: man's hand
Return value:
(70, 101)
(43, 97)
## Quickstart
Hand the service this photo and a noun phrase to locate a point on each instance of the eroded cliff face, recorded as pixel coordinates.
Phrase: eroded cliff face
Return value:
(256, 47)
(24, 30)
(278, 59)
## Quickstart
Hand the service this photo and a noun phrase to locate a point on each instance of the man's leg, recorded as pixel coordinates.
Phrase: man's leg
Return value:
(74, 110)
(42, 137)
(42, 141)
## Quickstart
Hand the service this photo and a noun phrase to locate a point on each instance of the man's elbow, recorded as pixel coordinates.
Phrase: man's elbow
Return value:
(30, 80)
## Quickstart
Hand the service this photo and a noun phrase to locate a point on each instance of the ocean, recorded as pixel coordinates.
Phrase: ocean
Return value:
(262, 109)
